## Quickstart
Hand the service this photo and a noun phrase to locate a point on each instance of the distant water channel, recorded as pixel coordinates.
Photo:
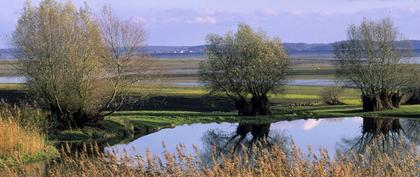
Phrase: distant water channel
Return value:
(330, 134)
(11, 79)
(302, 82)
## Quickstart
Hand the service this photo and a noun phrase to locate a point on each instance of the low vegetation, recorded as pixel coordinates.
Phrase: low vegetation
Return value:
(259, 161)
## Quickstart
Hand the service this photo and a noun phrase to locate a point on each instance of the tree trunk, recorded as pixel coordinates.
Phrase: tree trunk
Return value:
(380, 102)
(380, 127)
(244, 107)
(261, 105)
(415, 97)
(66, 121)
(59, 120)
(396, 100)
(82, 118)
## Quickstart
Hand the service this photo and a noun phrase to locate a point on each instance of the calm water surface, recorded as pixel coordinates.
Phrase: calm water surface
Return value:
(330, 134)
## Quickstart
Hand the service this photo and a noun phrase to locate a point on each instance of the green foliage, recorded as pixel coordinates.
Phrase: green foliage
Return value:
(60, 55)
(242, 65)
(371, 60)
(73, 62)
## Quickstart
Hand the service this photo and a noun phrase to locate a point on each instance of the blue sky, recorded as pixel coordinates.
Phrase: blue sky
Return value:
(187, 22)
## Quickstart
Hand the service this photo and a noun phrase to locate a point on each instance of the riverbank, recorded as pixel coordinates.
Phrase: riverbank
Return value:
(130, 124)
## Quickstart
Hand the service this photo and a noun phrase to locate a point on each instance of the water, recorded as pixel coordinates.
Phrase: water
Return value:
(312, 82)
(330, 134)
(11, 79)
(300, 82)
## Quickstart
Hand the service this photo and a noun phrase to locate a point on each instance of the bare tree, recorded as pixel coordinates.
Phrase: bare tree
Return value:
(73, 64)
(125, 62)
(371, 59)
(246, 66)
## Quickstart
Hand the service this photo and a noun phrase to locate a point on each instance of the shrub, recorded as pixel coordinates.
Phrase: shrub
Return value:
(331, 95)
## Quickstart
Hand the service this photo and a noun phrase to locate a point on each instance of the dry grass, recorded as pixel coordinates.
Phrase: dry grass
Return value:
(274, 161)
(16, 141)
(21, 139)
(20, 131)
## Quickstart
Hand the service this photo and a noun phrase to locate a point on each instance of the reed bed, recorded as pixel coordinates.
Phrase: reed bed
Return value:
(16, 141)
(276, 161)
(20, 131)
(22, 141)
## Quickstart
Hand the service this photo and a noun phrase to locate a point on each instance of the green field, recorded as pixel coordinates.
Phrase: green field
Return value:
(7, 68)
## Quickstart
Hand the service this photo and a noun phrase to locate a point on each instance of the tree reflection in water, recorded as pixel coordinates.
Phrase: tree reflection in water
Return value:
(387, 135)
(246, 139)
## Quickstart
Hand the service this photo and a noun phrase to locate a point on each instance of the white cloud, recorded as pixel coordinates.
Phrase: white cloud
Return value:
(202, 20)
(267, 12)
(412, 10)
(138, 19)
(296, 13)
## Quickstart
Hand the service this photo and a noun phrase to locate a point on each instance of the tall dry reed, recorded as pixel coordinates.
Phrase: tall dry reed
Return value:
(16, 141)
(21, 140)
(274, 161)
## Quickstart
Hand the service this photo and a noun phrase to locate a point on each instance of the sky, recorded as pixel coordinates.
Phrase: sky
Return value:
(188, 22)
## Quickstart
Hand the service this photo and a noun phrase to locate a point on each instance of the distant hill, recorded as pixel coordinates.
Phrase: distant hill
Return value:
(291, 47)
(174, 49)
(304, 50)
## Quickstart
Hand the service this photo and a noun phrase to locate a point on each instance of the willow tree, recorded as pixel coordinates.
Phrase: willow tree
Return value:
(246, 66)
(372, 60)
(66, 57)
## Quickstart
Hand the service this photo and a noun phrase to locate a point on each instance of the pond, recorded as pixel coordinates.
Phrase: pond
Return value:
(331, 134)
